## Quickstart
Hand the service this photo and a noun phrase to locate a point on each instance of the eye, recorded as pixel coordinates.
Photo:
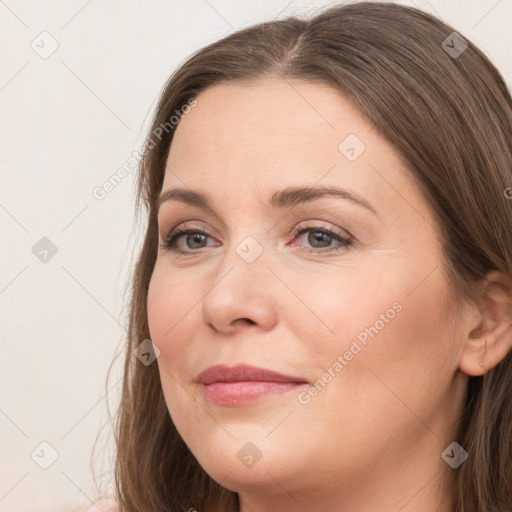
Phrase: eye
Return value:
(195, 237)
(320, 238)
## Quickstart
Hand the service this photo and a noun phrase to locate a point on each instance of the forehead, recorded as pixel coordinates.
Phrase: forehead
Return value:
(267, 118)
(276, 133)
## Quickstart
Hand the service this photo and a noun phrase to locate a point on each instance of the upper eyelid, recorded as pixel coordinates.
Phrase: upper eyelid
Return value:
(301, 210)
(298, 226)
(183, 212)
(312, 206)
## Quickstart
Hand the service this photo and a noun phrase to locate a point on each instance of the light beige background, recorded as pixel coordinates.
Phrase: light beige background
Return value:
(68, 122)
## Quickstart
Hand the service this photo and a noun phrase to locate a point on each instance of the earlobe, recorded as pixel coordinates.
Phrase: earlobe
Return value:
(490, 334)
(472, 360)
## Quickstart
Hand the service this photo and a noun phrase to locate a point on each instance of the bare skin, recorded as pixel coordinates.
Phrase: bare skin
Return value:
(372, 436)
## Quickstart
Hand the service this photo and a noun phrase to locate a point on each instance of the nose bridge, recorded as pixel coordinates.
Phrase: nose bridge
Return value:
(248, 252)
(249, 233)
(243, 286)
(245, 260)
(250, 249)
(248, 245)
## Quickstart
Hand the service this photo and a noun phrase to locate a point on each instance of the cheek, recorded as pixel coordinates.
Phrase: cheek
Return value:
(399, 355)
(172, 321)
(396, 331)
(171, 315)
(390, 363)
(340, 310)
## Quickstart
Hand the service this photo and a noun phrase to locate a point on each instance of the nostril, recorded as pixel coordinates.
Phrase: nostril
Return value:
(246, 320)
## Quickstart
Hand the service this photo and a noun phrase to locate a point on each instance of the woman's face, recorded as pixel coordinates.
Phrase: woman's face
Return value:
(364, 329)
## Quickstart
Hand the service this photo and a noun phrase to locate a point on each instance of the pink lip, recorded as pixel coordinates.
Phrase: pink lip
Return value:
(243, 384)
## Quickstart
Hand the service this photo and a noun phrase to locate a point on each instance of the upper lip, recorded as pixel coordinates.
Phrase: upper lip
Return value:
(243, 372)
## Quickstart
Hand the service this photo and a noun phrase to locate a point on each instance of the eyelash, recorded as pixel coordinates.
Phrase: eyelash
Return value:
(169, 242)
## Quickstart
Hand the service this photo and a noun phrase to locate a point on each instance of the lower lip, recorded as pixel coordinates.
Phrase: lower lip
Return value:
(247, 392)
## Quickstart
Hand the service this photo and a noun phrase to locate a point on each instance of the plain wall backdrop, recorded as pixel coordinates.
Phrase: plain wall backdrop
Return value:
(78, 86)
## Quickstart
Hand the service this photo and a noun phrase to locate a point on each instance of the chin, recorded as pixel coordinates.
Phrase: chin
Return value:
(249, 461)
(236, 476)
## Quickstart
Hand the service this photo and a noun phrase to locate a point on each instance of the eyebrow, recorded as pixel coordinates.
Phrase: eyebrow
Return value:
(289, 196)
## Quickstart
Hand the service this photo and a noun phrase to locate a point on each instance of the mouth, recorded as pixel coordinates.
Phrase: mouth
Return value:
(243, 384)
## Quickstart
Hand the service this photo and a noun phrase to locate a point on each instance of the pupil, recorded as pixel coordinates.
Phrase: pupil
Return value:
(195, 237)
(317, 236)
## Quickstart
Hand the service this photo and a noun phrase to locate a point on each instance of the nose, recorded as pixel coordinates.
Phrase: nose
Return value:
(241, 294)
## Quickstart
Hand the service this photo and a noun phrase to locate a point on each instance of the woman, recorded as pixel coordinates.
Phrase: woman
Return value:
(326, 275)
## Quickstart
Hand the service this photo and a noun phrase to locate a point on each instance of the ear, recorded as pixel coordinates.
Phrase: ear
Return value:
(490, 327)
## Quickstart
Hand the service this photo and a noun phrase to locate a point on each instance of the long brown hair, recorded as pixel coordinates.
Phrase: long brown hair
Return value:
(447, 109)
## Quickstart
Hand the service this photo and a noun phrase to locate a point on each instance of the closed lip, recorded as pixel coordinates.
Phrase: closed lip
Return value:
(243, 373)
